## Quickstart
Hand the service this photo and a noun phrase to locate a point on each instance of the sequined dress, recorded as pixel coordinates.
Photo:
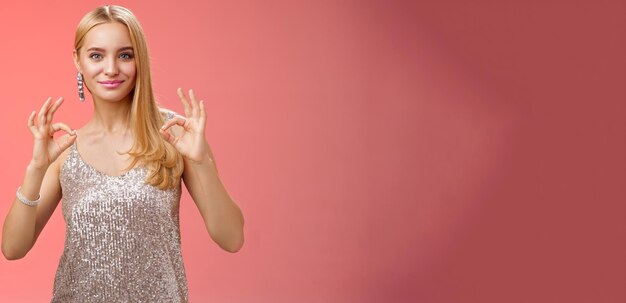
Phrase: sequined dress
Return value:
(122, 239)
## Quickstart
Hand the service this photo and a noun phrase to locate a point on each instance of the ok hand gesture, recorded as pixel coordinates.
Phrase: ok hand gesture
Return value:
(47, 149)
(189, 141)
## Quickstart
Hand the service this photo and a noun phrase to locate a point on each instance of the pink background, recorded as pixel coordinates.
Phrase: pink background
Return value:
(381, 151)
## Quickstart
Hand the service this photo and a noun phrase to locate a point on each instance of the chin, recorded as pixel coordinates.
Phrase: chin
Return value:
(110, 99)
(114, 96)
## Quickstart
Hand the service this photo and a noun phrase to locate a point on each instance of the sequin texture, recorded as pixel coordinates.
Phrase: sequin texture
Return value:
(122, 240)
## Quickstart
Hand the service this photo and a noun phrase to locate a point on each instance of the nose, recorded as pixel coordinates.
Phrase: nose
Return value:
(110, 68)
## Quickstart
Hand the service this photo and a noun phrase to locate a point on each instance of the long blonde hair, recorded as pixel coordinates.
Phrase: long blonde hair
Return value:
(161, 159)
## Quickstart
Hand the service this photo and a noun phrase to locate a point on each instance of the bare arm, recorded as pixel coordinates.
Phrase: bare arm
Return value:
(24, 223)
(222, 217)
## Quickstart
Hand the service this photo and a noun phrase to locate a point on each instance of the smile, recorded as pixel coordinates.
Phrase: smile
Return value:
(111, 83)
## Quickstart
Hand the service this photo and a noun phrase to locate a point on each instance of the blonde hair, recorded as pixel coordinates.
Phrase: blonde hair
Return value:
(163, 161)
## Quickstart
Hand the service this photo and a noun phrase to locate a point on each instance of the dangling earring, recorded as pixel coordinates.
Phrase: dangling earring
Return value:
(81, 94)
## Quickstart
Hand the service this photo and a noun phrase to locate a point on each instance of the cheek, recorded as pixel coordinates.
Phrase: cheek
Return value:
(90, 70)
(130, 70)
(90, 73)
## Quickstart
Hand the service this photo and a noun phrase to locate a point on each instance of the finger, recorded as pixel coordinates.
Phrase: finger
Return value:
(41, 117)
(185, 102)
(67, 142)
(62, 126)
(31, 122)
(195, 109)
(202, 114)
(53, 108)
(167, 136)
(176, 120)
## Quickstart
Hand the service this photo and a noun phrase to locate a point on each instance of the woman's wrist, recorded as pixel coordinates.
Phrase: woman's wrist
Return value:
(36, 168)
(25, 200)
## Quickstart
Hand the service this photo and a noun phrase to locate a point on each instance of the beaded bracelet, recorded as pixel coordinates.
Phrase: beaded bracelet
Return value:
(24, 200)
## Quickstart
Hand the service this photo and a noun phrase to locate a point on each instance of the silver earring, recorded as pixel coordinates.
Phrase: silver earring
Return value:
(81, 94)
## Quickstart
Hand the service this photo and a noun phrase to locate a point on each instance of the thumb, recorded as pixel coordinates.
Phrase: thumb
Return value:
(169, 137)
(67, 142)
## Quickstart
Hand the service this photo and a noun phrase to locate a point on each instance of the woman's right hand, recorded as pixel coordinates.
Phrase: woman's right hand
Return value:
(46, 148)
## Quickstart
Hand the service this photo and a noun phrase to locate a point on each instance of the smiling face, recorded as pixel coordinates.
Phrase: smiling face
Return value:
(107, 62)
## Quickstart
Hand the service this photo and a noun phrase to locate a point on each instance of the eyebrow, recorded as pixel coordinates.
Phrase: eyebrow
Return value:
(102, 49)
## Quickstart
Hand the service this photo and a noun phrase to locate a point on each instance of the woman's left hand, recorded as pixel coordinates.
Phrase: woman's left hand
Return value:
(189, 141)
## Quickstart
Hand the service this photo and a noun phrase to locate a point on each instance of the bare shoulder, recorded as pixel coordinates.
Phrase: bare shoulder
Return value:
(58, 163)
(167, 113)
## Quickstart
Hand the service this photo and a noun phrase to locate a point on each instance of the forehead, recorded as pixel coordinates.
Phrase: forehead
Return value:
(110, 35)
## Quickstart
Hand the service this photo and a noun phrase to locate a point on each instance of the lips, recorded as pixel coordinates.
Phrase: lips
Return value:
(111, 83)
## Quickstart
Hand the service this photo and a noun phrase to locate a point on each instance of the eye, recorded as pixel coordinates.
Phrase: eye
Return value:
(126, 56)
(95, 56)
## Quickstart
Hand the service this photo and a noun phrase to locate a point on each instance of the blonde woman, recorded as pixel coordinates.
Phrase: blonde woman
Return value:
(119, 176)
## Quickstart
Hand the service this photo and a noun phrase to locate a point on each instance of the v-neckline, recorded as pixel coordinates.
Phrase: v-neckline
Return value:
(80, 158)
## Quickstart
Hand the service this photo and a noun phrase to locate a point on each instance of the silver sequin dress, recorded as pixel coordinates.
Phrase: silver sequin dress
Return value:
(122, 239)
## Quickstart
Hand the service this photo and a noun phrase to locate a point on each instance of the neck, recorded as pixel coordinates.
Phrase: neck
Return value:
(111, 118)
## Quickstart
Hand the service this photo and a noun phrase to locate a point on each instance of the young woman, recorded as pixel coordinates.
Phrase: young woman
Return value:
(119, 177)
